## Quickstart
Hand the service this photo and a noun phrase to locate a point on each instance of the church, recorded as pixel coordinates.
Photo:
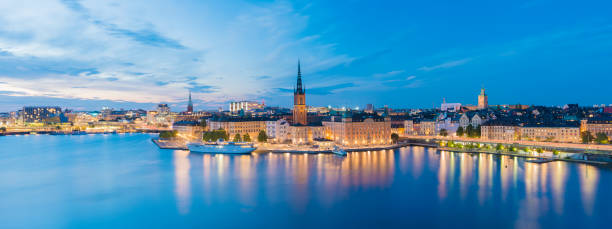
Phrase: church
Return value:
(300, 131)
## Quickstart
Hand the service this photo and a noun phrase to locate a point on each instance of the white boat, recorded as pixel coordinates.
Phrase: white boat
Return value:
(339, 151)
(222, 147)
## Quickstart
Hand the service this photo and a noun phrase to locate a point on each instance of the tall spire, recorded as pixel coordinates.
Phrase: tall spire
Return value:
(299, 89)
(190, 104)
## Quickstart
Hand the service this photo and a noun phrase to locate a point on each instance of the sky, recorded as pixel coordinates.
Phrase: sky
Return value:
(85, 54)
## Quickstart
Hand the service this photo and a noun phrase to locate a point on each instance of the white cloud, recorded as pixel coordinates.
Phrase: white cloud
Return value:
(448, 64)
(142, 51)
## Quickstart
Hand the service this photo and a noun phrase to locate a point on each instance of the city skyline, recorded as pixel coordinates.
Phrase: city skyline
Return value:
(235, 50)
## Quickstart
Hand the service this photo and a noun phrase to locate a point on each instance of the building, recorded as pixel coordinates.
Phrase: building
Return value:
(427, 128)
(358, 129)
(483, 100)
(450, 107)
(597, 125)
(499, 131)
(558, 133)
(299, 134)
(190, 104)
(277, 130)
(245, 106)
(188, 130)
(299, 101)
(41, 114)
(471, 118)
(242, 126)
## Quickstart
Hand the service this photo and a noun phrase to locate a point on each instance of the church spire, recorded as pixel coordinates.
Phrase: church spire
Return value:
(190, 104)
(299, 89)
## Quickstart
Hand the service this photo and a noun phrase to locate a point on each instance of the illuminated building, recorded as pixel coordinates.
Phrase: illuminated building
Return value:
(451, 107)
(551, 133)
(245, 106)
(358, 129)
(242, 126)
(41, 114)
(597, 125)
(483, 100)
(499, 131)
(299, 101)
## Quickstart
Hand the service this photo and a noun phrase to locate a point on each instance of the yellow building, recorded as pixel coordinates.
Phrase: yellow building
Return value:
(242, 126)
(360, 129)
(557, 134)
(597, 125)
(499, 132)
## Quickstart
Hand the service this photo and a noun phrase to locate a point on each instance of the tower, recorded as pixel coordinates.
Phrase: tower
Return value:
(190, 104)
(483, 99)
(299, 101)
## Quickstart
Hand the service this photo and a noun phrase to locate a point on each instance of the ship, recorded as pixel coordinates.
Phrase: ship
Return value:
(222, 147)
(339, 151)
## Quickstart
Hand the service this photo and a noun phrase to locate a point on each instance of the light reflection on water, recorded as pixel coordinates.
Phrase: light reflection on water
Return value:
(125, 176)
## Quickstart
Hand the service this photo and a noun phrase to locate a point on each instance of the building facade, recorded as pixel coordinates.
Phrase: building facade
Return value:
(242, 126)
(483, 100)
(299, 101)
(41, 114)
(597, 125)
(359, 130)
(499, 132)
(557, 134)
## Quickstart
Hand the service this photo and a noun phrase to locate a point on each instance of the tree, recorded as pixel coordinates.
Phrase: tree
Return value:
(394, 137)
(237, 138)
(246, 138)
(168, 134)
(212, 136)
(587, 137)
(539, 150)
(499, 147)
(443, 132)
(262, 136)
(601, 138)
(2, 129)
(477, 132)
(460, 131)
(202, 123)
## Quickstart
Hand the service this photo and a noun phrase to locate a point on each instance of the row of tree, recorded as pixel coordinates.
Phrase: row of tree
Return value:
(470, 131)
(211, 136)
(601, 138)
(168, 134)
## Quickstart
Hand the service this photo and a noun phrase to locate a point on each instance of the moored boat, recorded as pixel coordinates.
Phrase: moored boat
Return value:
(339, 151)
(222, 147)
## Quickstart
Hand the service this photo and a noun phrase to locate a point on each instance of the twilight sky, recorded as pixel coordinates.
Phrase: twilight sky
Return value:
(134, 54)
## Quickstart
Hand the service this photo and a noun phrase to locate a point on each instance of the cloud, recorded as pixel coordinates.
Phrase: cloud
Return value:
(410, 77)
(448, 64)
(263, 77)
(143, 53)
(388, 74)
(325, 90)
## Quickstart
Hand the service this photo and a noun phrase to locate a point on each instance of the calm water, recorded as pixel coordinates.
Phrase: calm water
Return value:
(111, 181)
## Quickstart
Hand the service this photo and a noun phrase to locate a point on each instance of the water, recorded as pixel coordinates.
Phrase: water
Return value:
(119, 181)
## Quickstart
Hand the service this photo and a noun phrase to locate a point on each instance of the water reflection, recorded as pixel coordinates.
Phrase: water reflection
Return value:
(589, 176)
(325, 179)
(182, 180)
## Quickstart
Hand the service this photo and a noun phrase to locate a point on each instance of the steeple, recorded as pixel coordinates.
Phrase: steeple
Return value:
(190, 104)
(299, 89)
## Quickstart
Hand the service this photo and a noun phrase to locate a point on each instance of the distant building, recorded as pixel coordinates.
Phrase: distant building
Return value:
(597, 125)
(242, 126)
(41, 114)
(245, 106)
(451, 107)
(483, 100)
(499, 131)
(550, 133)
(358, 129)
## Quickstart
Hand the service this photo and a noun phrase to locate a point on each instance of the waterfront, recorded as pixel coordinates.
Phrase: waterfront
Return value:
(124, 180)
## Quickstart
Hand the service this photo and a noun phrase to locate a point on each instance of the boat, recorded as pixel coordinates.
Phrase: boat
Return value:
(222, 147)
(339, 151)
